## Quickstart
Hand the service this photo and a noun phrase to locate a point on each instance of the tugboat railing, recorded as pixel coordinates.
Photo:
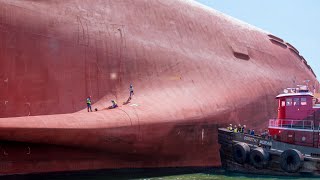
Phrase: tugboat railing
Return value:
(292, 124)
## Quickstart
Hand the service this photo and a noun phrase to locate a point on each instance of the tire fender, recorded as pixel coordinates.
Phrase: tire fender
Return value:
(291, 160)
(259, 158)
(241, 152)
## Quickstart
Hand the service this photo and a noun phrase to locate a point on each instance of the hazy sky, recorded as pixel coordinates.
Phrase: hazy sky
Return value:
(295, 21)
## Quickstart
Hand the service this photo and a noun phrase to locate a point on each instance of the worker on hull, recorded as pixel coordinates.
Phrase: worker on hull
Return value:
(114, 104)
(89, 103)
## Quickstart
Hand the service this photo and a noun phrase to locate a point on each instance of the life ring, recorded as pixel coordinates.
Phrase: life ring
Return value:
(259, 158)
(241, 152)
(291, 160)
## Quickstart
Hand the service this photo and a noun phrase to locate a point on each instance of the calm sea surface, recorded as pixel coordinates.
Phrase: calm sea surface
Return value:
(216, 174)
(202, 176)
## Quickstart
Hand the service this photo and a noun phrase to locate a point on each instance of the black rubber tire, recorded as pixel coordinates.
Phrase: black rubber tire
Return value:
(259, 158)
(241, 152)
(291, 160)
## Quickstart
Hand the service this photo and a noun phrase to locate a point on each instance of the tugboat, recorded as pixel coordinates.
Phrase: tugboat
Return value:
(291, 145)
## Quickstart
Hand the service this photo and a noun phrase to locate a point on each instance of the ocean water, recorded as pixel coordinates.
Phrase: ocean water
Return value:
(164, 174)
(234, 176)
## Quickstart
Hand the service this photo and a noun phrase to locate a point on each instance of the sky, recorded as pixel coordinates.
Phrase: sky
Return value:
(295, 21)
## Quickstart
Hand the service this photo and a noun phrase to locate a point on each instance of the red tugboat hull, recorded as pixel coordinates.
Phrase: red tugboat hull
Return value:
(193, 70)
(289, 147)
(256, 155)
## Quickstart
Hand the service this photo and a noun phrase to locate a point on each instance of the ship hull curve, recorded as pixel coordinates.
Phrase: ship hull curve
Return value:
(193, 70)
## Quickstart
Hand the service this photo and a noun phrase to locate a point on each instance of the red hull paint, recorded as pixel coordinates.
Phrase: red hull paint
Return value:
(193, 70)
(159, 145)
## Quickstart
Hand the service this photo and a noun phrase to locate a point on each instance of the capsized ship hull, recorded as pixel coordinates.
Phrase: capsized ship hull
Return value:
(193, 70)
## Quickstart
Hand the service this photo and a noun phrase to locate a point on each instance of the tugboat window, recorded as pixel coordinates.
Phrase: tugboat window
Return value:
(283, 103)
(303, 101)
(296, 102)
(289, 102)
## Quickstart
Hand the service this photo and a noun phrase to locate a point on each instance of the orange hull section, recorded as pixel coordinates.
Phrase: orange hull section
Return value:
(193, 70)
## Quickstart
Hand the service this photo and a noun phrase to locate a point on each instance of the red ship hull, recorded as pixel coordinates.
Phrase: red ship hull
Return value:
(171, 150)
(193, 70)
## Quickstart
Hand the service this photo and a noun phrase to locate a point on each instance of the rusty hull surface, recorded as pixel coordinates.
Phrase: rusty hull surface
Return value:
(193, 70)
